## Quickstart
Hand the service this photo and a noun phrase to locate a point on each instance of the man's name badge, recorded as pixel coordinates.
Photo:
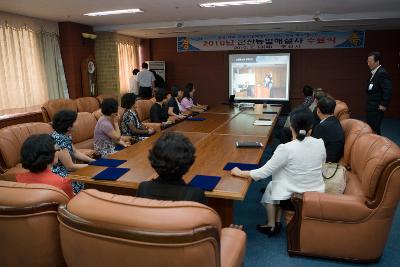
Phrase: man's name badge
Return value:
(370, 86)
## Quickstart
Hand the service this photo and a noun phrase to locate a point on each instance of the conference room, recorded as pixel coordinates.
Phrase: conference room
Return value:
(199, 133)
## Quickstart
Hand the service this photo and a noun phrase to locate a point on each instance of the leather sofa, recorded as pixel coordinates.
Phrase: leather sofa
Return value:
(83, 131)
(100, 98)
(143, 111)
(353, 226)
(115, 230)
(51, 107)
(341, 110)
(11, 140)
(352, 130)
(82, 104)
(29, 230)
(87, 104)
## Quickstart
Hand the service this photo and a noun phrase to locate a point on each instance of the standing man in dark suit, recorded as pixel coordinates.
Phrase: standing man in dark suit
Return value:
(379, 92)
(329, 129)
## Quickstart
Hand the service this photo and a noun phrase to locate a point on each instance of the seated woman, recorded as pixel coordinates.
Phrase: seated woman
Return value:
(171, 157)
(130, 124)
(37, 155)
(63, 123)
(174, 107)
(187, 102)
(159, 110)
(295, 167)
(107, 133)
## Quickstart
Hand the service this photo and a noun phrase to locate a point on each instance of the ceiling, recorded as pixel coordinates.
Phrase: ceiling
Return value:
(160, 17)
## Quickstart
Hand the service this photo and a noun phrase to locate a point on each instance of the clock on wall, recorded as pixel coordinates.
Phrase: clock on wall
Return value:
(91, 67)
(88, 68)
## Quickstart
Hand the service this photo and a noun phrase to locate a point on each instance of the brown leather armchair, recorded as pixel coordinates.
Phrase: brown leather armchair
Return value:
(83, 131)
(87, 104)
(352, 130)
(51, 107)
(29, 230)
(341, 110)
(353, 226)
(100, 98)
(143, 111)
(11, 140)
(102, 229)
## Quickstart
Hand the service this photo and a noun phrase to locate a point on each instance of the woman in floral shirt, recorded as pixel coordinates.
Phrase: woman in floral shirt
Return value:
(63, 123)
(130, 123)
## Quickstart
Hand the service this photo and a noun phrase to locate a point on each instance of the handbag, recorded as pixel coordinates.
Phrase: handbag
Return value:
(334, 178)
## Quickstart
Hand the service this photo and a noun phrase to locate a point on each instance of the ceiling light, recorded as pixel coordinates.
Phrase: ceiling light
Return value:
(114, 12)
(236, 3)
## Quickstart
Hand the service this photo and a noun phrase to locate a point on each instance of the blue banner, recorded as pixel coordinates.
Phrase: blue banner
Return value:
(262, 41)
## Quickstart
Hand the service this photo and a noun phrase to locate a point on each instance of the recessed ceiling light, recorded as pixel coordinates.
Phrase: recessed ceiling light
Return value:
(236, 3)
(114, 12)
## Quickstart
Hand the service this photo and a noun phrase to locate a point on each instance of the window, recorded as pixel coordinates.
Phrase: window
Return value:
(22, 76)
(31, 69)
(128, 60)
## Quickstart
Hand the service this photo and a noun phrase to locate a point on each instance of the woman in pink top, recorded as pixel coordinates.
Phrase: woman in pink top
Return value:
(37, 155)
(187, 102)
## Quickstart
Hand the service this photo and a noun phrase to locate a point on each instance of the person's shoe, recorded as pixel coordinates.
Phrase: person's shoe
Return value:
(278, 226)
(269, 231)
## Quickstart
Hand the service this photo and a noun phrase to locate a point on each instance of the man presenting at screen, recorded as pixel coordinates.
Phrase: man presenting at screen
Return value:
(379, 92)
(268, 83)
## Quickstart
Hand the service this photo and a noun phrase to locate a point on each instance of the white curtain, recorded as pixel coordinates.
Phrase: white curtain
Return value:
(31, 70)
(56, 82)
(128, 60)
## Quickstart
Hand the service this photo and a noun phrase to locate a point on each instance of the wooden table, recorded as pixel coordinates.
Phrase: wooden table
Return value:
(214, 139)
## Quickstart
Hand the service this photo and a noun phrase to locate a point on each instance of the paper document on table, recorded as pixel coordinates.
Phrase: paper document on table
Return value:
(262, 123)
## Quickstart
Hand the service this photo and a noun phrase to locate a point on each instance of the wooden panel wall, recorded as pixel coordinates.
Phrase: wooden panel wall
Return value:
(74, 49)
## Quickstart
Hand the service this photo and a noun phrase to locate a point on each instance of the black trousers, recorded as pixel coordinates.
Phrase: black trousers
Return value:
(374, 120)
(145, 92)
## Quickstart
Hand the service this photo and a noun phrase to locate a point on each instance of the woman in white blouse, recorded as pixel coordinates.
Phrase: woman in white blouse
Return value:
(295, 167)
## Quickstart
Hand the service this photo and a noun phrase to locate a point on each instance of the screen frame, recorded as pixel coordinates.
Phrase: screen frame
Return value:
(264, 100)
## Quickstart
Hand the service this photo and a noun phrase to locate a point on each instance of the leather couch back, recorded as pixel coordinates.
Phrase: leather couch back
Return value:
(87, 104)
(352, 130)
(12, 138)
(370, 154)
(100, 98)
(341, 110)
(143, 109)
(51, 107)
(29, 229)
(84, 127)
(147, 232)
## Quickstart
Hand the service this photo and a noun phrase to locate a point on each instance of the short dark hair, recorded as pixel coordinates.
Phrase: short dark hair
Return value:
(135, 71)
(301, 120)
(37, 152)
(109, 106)
(63, 120)
(128, 100)
(376, 55)
(172, 155)
(175, 90)
(308, 90)
(319, 93)
(160, 94)
(327, 105)
(145, 65)
(188, 89)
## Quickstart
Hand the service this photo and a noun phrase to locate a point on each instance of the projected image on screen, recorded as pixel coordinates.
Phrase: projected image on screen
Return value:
(259, 76)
